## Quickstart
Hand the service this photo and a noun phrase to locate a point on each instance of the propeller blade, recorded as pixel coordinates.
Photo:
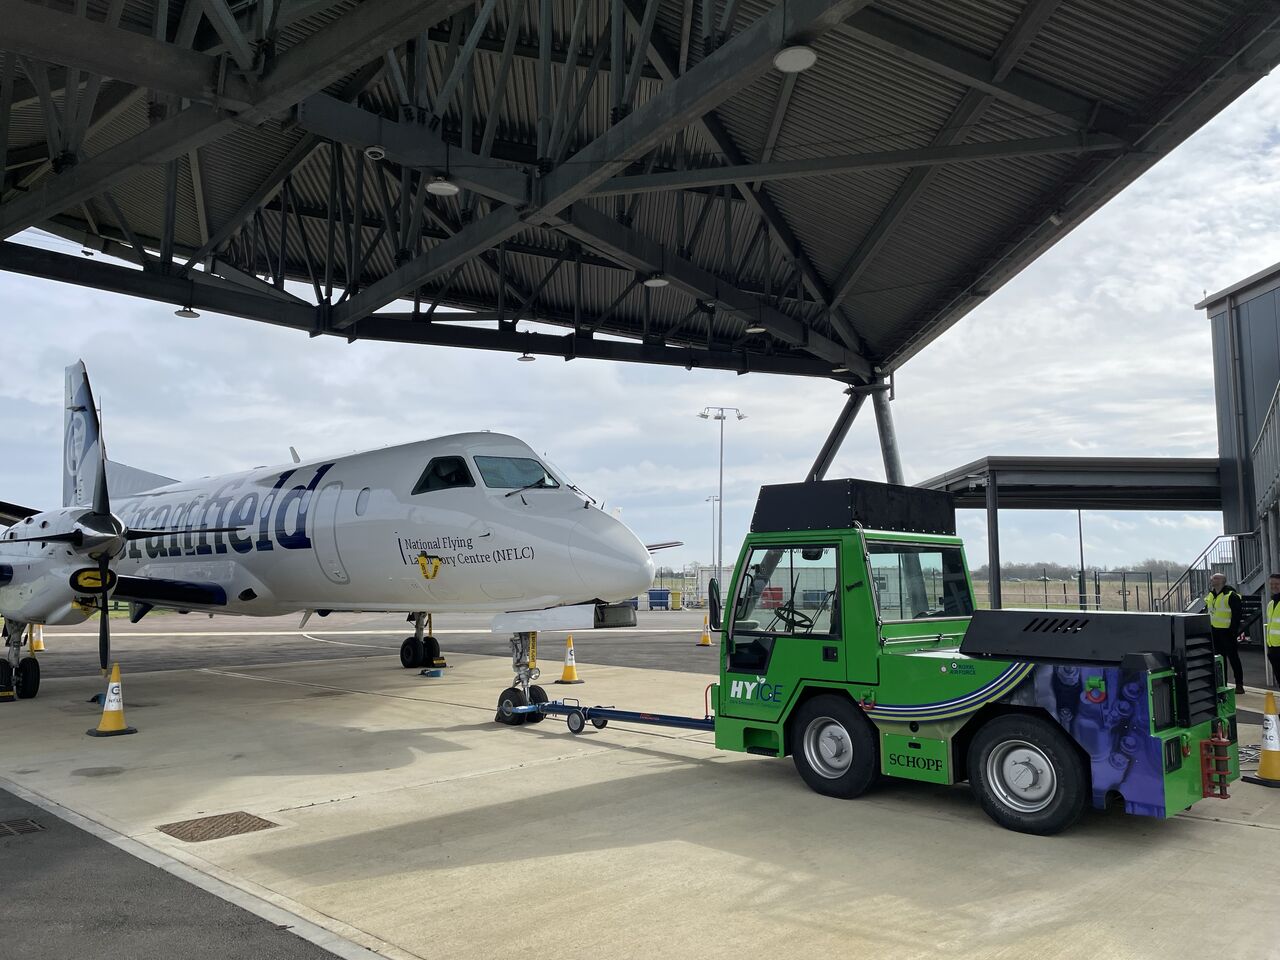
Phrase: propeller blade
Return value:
(75, 537)
(138, 534)
(104, 622)
(101, 500)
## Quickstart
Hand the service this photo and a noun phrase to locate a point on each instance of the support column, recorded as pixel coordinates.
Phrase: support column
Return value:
(888, 436)
(993, 540)
(835, 438)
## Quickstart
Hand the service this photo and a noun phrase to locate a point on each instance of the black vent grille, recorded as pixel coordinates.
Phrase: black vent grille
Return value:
(1056, 625)
(1172, 755)
(1199, 682)
(1162, 703)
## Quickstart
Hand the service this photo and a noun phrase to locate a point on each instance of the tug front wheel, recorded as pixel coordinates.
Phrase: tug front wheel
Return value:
(1028, 776)
(834, 747)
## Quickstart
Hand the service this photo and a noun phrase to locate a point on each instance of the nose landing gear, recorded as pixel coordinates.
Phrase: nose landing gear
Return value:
(19, 675)
(524, 661)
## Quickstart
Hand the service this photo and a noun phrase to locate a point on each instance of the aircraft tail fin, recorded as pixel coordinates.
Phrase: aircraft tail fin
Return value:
(81, 458)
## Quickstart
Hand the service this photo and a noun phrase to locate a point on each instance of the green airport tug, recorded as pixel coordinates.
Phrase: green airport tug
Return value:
(850, 641)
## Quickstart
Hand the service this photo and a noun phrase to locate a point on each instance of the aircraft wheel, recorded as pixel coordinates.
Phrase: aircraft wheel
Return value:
(1028, 776)
(6, 674)
(834, 747)
(28, 678)
(411, 653)
(509, 699)
(430, 651)
(536, 695)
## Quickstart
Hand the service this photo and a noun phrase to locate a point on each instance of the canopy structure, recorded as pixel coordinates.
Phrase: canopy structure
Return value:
(809, 188)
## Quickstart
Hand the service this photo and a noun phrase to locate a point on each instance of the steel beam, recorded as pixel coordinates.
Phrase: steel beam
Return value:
(934, 54)
(682, 102)
(839, 430)
(225, 25)
(1067, 144)
(594, 229)
(411, 145)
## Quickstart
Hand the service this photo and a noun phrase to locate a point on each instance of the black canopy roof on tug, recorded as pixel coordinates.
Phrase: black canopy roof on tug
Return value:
(540, 160)
(844, 504)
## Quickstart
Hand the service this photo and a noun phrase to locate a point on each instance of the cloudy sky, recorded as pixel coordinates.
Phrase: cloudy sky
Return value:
(1095, 349)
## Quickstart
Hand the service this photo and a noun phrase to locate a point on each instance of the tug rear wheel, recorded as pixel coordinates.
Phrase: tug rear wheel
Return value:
(509, 699)
(834, 747)
(1028, 776)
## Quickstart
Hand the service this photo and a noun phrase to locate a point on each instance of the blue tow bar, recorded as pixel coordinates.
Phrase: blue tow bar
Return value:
(576, 716)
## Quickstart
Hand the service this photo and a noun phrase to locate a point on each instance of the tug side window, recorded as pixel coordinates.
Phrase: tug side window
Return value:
(443, 473)
(789, 591)
(915, 581)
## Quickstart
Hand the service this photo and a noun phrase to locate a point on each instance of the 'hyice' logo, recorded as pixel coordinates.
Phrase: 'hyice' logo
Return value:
(758, 690)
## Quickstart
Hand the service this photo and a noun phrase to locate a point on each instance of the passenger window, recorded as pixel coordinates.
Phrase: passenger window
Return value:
(789, 590)
(913, 581)
(443, 473)
(515, 473)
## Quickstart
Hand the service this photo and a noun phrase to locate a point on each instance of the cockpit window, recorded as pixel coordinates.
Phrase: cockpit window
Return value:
(443, 473)
(514, 473)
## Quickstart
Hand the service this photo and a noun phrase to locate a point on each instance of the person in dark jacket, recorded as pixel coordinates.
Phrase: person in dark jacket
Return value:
(1226, 615)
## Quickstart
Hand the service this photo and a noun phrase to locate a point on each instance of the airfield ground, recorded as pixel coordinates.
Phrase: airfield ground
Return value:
(410, 825)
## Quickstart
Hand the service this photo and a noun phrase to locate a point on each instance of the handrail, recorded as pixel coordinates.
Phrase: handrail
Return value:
(1265, 456)
(1238, 555)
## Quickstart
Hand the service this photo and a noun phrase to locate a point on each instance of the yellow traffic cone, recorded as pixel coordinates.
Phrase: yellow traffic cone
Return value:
(570, 674)
(1269, 765)
(36, 638)
(112, 723)
(705, 639)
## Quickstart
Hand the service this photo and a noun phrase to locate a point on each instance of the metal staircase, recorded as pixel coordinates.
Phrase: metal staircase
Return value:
(1236, 555)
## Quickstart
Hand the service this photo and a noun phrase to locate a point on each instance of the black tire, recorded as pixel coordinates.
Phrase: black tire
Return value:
(834, 747)
(1057, 795)
(536, 695)
(576, 722)
(6, 672)
(509, 698)
(430, 651)
(411, 653)
(28, 678)
(599, 722)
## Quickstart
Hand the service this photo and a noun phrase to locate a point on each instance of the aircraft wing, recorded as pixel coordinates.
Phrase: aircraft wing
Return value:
(12, 513)
(169, 593)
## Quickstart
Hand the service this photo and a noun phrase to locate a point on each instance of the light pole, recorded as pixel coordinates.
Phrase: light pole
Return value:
(713, 500)
(721, 414)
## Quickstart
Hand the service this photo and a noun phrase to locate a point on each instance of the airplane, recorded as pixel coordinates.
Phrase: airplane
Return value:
(472, 522)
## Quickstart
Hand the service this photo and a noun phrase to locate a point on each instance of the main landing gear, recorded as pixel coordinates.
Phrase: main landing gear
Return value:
(19, 675)
(422, 649)
(524, 661)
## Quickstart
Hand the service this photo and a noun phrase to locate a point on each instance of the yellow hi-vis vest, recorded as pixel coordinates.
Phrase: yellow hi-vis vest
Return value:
(1219, 608)
(1273, 624)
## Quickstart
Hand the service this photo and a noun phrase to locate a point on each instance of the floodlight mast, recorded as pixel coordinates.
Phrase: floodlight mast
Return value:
(721, 414)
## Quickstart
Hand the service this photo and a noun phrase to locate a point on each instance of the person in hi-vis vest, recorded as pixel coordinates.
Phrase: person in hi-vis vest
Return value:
(1272, 634)
(1226, 613)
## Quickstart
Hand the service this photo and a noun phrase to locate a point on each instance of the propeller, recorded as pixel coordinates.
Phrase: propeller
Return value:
(102, 508)
(104, 621)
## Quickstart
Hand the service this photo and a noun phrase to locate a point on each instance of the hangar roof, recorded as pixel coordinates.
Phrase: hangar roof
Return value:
(638, 173)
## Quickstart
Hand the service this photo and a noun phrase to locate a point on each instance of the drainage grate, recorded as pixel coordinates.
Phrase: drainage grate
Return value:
(215, 827)
(12, 828)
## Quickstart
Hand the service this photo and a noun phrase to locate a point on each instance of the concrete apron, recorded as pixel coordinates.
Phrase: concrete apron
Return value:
(412, 824)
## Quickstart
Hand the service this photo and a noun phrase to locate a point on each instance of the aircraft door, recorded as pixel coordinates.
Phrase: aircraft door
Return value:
(324, 538)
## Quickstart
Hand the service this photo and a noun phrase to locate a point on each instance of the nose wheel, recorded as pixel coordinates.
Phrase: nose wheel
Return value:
(524, 663)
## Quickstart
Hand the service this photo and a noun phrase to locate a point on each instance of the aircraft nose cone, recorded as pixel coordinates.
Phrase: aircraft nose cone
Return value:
(608, 558)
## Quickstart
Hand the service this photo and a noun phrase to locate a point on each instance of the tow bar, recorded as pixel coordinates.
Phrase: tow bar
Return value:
(577, 716)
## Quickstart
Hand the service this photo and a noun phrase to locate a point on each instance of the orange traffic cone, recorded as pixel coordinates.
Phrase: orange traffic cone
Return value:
(570, 674)
(1269, 764)
(705, 639)
(112, 723)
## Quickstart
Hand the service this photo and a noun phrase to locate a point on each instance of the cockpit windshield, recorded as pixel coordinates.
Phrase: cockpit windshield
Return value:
(514, 473)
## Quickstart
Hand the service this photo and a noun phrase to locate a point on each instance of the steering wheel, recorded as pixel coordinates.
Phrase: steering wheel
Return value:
(792, 617)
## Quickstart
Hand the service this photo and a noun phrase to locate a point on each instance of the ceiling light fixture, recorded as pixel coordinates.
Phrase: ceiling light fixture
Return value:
(441, 186)
(840, 369)
(796, 58)
(186, 313)
(1055, 217)
(525, 358)
(375, 152)
(655, 281)
(755, 328)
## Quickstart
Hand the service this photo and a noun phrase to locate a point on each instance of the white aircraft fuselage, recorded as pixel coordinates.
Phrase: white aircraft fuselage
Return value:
(438, 525)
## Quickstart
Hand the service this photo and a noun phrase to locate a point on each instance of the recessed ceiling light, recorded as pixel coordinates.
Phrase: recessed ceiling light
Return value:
(443, 187)
(795, 59)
